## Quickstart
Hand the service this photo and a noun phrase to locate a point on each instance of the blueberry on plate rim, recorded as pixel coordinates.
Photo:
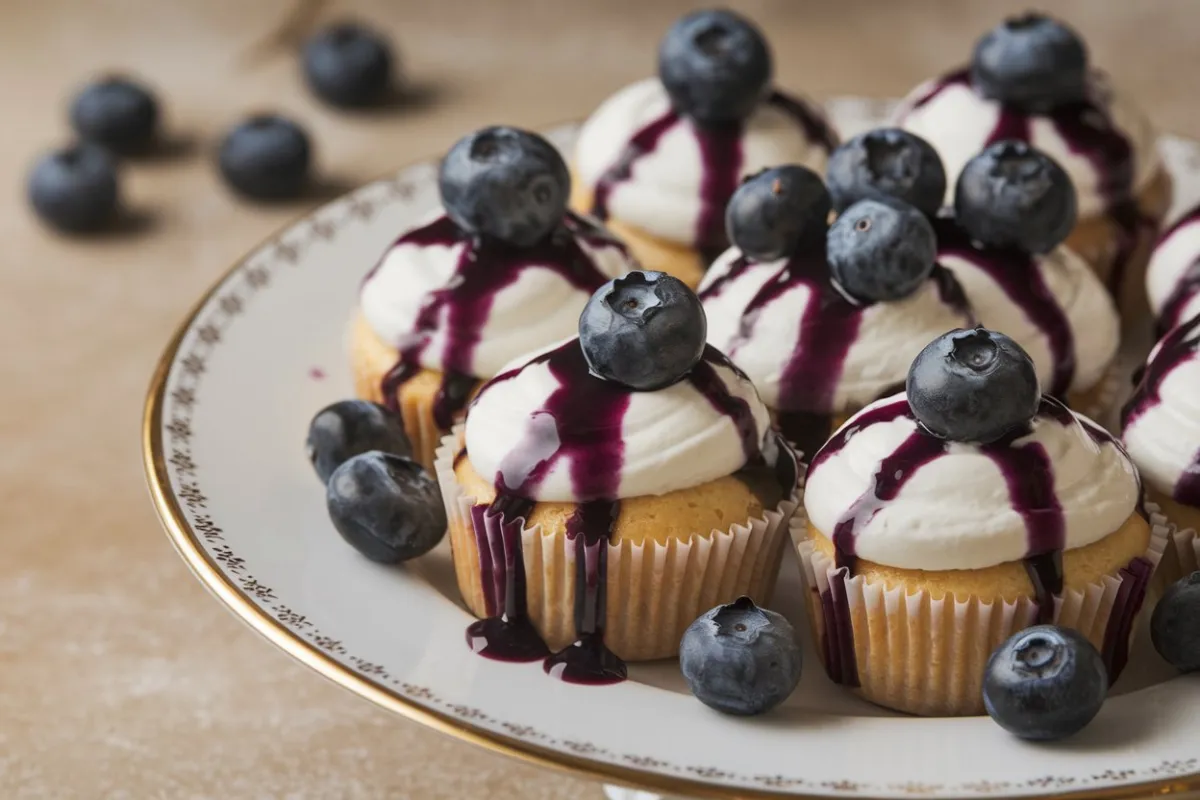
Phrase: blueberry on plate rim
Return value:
(777, 211)
(347, 428)
(75, 189)
(348, 65)
(1013, 195)
(506, 184)
(1031, 62)
(387, 507)
(715, 65)
(887, 163)
(266, 157)
(973, 385)
(881, 250)
(741, 659)
(645, 330)
(1045, 683)
(1175, 624)
(116, 112)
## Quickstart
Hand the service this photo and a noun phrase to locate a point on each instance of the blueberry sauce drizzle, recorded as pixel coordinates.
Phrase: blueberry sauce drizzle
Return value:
(1088, 130)
(580, 422)
(1019, 277)
(1180, 346)
(461, 309)
(1029, 478)
(1187, 286)
(721, 162)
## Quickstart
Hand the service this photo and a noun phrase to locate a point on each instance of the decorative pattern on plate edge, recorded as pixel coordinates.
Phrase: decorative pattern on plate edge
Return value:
(255, 276)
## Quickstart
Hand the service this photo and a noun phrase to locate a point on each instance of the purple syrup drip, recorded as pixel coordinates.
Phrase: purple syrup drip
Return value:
(1178, 348)
(1135, 579)
(1182, 293)
(461, 309)
(1018, 276)
(721, 163)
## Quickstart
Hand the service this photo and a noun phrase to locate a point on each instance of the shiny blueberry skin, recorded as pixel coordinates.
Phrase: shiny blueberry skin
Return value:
(1045, 683)
(348, 65)
(645, 330)
(715, 65)
(1031, 62)
(973, 386)
(776, 212)
(1175, 625)
(267, 157)
(350, 427)
(75, 189)
(881, 250)
(741, 659)
(387, 507)
(887, 163)
(505, 183)
(1012, 195)
(116, 112)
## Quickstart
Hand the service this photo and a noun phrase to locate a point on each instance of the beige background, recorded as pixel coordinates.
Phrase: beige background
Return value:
(119, 676)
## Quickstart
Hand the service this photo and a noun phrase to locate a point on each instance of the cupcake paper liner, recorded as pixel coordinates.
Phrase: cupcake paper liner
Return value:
(1183, 556)
(416, 410)
(654, 591)
(914, 653)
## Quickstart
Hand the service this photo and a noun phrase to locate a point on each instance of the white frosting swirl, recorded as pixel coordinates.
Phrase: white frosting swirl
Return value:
(672, 438)
(538, 307)
(958, 121)
(955, 512)
(1088, 308)
(1163, 437)
(662, 196)
(890, 335)
(1173, 257)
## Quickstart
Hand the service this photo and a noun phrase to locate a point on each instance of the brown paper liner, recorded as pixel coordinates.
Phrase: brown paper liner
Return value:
(1183, 557)
(914, 653)
(653, 591)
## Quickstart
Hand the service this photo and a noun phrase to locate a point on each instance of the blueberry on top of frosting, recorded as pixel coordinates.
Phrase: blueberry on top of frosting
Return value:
(645, 330)
(973, 386)
(887, 163)
(1012, 195)
(1031, 62)
(777, 211)
(715, 65)
(881, 250)
(505, 183)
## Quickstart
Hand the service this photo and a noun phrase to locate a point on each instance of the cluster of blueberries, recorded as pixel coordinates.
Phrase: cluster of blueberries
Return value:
(76, 189)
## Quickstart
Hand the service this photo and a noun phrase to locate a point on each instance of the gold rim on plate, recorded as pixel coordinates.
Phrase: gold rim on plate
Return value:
(186, 542)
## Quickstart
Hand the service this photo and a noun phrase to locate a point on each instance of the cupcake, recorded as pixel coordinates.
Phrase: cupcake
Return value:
(608, 490)
(1173, 277)
(659, 160)
(1002, 239)
(942, 520)
(1161, 428)
(501, 270)
(825, 320)
(1029, 79)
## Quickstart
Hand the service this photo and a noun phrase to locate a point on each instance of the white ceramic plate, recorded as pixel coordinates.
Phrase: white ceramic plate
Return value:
(224, 430)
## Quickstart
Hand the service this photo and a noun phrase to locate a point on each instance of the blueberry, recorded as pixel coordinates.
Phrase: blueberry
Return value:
(715, 65)
(1012, 195)
(386, 506)
(881, 250)
(973, 386)
(741, 659)
(117, 112)
(887, 163)
(1175, 625)
(349, 427)
(1031, 62)
(75, 189)
(774, 213)
(1045, 683)
(267, 157)
(645, 330)
(348, 65)
(505, 183)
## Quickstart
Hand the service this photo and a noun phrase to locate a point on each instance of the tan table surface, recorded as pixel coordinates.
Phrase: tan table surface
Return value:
(119, 675)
